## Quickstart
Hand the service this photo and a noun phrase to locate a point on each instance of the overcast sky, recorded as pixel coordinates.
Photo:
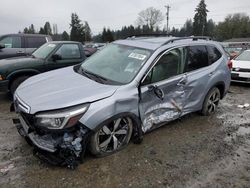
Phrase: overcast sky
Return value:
(17, 14)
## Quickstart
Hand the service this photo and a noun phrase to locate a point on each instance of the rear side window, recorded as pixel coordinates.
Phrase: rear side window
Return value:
(35, 42)
(196, 58)
(213, 54)
(11, 42)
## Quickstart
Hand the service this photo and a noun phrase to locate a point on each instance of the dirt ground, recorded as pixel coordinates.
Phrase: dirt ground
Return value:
(194, 151)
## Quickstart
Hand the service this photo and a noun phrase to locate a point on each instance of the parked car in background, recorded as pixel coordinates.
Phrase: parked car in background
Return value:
(130, 87)
(52, 55)
(91, 48)
(241, 68)
(14, 45)
(233, 49)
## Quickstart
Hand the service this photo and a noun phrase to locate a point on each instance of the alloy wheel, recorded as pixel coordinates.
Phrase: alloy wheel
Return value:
(114, 135)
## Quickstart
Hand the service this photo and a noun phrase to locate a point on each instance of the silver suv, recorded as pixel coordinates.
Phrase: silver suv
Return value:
(125, 90)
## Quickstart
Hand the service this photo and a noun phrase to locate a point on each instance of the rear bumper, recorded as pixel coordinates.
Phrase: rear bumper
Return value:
(4, 85)
(242, 77)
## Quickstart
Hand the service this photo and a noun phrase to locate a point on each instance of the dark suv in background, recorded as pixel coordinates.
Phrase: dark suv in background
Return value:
(14, 45)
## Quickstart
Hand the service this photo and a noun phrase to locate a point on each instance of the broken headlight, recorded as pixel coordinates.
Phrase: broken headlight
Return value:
(59, 119)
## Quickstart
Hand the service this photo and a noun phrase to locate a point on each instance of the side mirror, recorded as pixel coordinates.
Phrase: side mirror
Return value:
(56, 57)
(2, 46)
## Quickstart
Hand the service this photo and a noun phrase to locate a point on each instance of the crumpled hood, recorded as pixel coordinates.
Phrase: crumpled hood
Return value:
(241, 64)
(59, 89)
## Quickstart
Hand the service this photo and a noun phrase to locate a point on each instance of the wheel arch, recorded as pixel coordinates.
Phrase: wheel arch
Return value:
(25, 72)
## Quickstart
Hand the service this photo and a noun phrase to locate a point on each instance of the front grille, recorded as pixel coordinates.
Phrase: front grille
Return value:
(240, 70)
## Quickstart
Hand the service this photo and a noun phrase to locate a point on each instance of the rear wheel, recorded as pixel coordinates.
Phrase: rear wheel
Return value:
(211, 102)
(15, 83)
(111, 137)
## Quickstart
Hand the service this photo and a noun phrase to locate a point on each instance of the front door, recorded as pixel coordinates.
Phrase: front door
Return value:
(69, 55)
(163, 90)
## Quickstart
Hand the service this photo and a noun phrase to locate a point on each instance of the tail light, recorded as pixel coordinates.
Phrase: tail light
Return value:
(230, 64)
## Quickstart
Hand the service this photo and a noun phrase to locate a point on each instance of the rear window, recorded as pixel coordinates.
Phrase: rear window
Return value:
(196, 58)
(213, 54)
(35, 42)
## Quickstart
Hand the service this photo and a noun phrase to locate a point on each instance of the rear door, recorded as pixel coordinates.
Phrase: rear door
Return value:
(13, 47)
(199, 74)
(69, 55)
(163, 90)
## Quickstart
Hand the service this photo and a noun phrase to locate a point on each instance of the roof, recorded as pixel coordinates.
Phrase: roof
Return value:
(153, 43)
(23, 34)
(238, 40)
(65, 42)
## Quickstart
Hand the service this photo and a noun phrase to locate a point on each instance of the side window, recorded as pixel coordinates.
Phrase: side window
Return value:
(35, 42)
(169, 65)
(213, 54)
(196, 58)
(11, 42)
(69, 51)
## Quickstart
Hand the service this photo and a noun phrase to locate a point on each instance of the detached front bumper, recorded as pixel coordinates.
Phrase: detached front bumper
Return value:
(4, 85)
(65, 148)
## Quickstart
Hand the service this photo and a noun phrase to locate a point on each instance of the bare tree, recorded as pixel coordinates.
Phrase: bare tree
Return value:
(151, 17)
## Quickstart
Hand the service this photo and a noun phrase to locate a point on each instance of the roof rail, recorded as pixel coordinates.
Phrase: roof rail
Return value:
(184, 38)
(149, 35)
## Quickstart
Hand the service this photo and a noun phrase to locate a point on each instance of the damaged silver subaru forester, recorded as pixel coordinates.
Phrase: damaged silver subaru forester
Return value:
(130, 87)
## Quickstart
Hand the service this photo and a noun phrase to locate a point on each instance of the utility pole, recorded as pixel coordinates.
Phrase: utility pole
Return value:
(167, 7)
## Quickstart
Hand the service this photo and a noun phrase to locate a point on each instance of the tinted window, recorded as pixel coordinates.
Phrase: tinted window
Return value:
(197, 58)
(69, 51)
(11, 42)
(213, 54)
(169, 65)
(35, 42)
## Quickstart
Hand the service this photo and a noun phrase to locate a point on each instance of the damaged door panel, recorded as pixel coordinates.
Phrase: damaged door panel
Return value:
(163, 94)
(155, 110)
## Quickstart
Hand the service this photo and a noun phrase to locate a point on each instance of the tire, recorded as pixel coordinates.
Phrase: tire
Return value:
(111, 137)
(15, 83)
(211, 102)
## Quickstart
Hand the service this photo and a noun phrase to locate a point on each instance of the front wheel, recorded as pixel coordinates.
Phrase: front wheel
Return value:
(211, 102)
(15, 83)
(111, 137)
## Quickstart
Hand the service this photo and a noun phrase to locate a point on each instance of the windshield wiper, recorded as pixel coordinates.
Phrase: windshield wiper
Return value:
(96, 77)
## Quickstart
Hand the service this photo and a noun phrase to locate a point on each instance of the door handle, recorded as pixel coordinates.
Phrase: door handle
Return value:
(20, 52)
(183, 81)
(211, 73)
(157, 91)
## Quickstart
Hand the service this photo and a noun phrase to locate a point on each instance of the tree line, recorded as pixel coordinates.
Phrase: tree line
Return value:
(149, 21)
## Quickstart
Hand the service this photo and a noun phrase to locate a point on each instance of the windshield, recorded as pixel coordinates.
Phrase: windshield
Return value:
(44, 50)
(117, 63)
(244, 56)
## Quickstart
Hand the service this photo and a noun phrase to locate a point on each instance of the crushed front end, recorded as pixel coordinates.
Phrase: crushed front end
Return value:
(65, 146)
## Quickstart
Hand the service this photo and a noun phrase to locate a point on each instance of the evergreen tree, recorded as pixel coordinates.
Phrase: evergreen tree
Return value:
(77, 30)
(65, 36)
(87, 32)
(200, 19)
(26, 30)
(41, 31)
(47, 29)
(31, 29)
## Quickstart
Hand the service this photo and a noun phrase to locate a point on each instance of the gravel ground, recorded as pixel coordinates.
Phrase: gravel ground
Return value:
(194, 151)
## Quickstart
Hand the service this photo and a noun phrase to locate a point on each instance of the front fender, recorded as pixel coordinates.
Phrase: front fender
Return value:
(102, 110)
